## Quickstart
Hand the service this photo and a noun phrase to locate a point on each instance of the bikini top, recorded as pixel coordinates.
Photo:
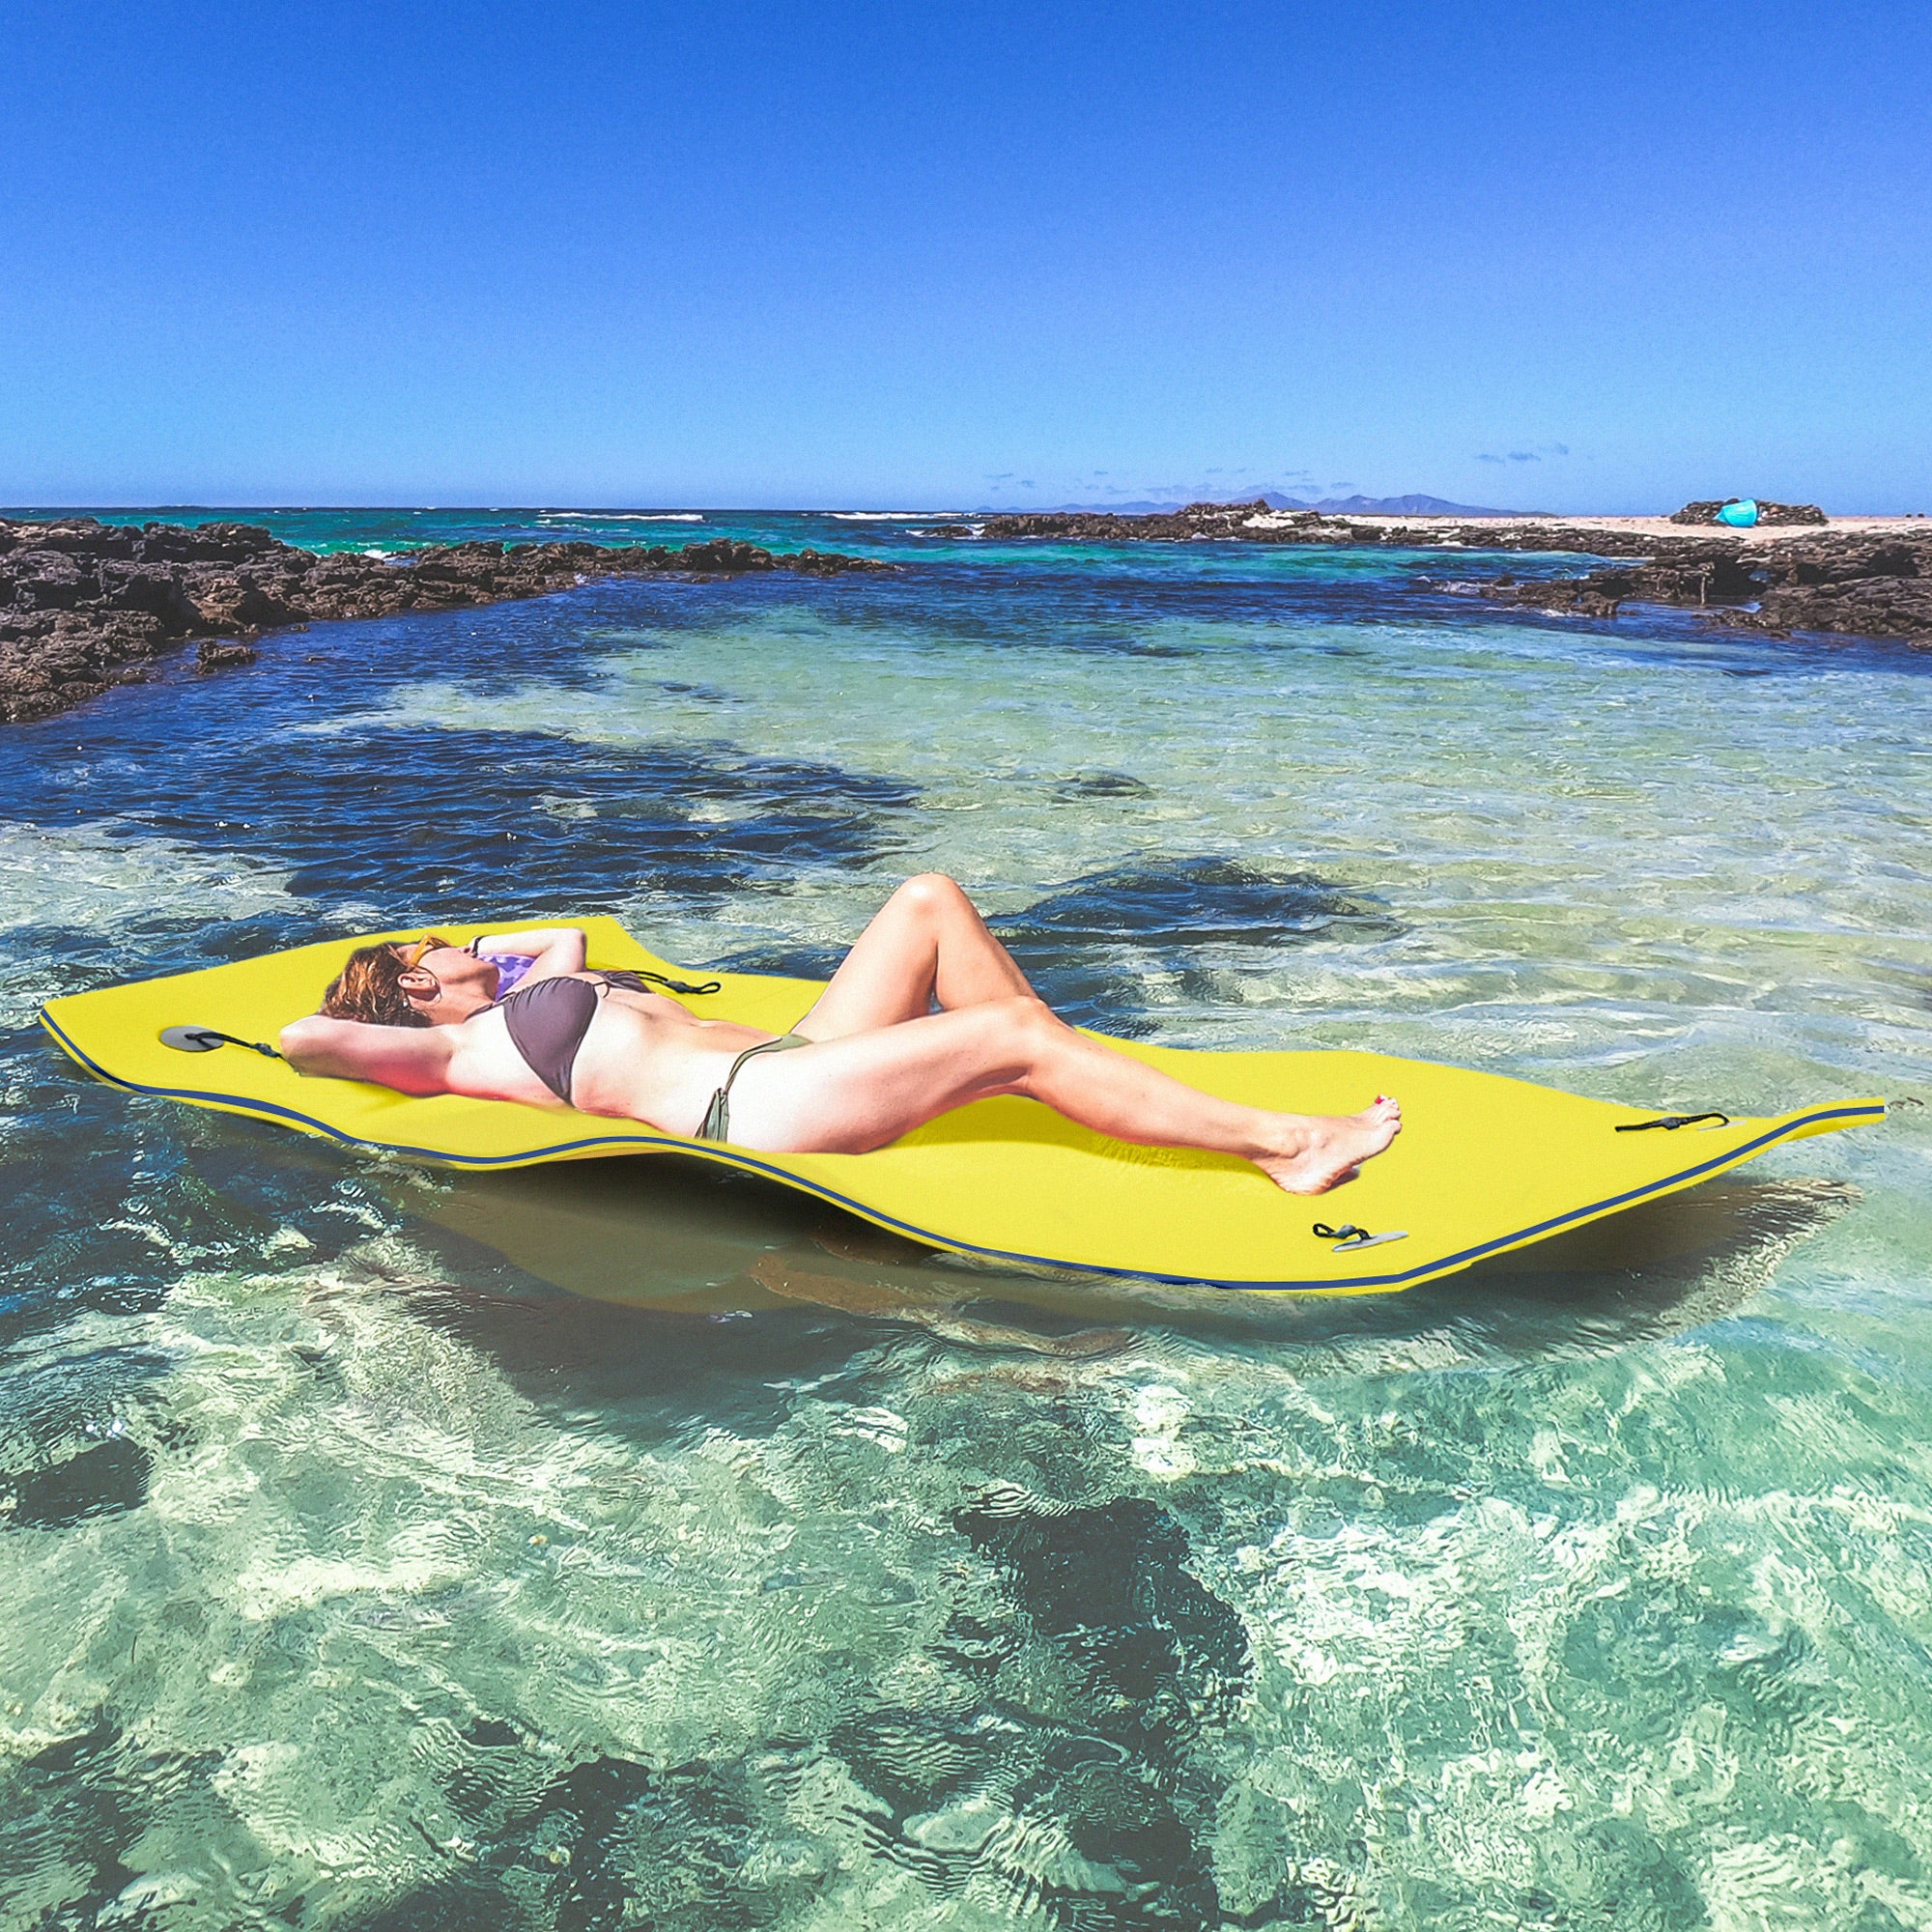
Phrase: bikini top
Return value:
(548, 1019)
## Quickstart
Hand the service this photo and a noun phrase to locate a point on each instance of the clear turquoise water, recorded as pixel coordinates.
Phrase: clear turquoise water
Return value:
(381, 1550)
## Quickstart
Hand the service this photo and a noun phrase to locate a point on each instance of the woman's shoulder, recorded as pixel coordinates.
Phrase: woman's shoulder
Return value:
(410, 1059)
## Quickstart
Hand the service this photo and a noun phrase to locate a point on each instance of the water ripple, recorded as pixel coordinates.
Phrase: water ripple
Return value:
(628, 1544)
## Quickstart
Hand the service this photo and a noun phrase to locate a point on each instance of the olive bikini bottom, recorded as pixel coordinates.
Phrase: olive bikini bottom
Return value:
(548, 1019)
(718, 1116)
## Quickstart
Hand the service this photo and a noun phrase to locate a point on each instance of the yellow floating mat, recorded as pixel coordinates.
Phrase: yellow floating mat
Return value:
(1482, 1164)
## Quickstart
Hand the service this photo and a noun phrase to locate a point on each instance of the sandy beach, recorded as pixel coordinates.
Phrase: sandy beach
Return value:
(1638, 531)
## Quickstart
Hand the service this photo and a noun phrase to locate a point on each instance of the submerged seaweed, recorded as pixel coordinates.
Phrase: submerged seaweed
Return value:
(1092, 944)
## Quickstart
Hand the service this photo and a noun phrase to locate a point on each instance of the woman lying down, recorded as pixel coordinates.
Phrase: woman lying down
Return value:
(871, 1060)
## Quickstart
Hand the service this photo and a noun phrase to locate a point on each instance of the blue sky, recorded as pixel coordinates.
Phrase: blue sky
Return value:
(917, 256)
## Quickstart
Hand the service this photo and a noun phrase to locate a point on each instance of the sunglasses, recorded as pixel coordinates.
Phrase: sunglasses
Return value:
(430, 942)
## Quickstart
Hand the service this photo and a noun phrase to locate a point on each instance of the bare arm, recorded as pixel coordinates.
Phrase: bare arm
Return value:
(412, 1060)
(556, 950)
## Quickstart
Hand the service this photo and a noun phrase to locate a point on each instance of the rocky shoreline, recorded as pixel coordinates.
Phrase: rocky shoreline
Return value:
(85, 606)
(1844, 585)
(1846, 582)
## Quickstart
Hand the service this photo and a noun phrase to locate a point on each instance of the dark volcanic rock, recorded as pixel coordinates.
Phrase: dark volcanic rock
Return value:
(1257, 523)
(1850, 584)
(1197, 519)
(1768, 512)
(1874, 586)
(223, 654)
(86, 605)
(1856, 584)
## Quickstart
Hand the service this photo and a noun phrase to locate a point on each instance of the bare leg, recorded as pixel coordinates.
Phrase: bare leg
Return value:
(863, 1090)
(926, 944)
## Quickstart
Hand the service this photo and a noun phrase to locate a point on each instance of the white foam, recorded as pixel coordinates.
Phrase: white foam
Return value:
(90, 878)
(90, 881)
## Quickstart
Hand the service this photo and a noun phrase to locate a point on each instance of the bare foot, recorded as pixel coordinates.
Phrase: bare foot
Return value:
(1332, 1148)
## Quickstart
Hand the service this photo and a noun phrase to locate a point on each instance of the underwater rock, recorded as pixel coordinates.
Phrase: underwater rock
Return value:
(1066, 1789)
(1156, 905)
(941, 1779)
(1102, 785)
(1107, 1586)
(609, 1843)
(1088, 944)
(288, 806)
(85, 606)
(107, 1479)
(71, 1802)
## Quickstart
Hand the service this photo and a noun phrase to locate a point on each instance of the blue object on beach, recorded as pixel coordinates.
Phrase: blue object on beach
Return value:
(1740, 513)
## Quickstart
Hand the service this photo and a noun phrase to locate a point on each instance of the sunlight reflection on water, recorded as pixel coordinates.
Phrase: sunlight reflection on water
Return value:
(628, 1544)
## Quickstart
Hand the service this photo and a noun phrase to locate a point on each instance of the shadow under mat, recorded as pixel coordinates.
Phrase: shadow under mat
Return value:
(664, 1235)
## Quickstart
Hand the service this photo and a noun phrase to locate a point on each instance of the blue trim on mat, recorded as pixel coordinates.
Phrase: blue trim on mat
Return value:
(644, 1143)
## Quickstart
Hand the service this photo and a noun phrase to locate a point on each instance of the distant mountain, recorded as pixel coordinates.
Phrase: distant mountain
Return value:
(1358, 506)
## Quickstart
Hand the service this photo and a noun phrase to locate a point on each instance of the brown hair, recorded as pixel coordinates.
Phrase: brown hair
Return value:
(369, 988)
